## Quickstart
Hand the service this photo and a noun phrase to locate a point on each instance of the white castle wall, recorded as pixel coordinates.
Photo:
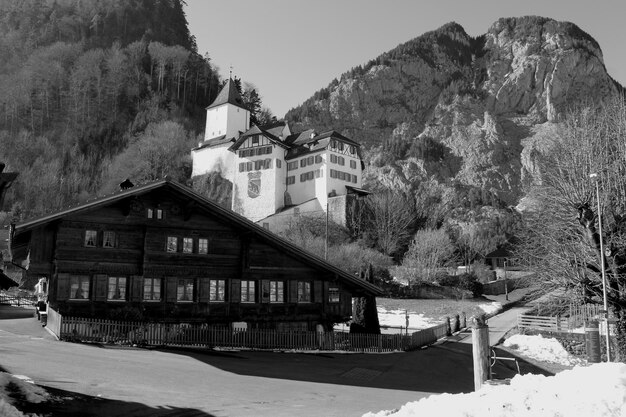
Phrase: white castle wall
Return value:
(216, 159)
(226, 120)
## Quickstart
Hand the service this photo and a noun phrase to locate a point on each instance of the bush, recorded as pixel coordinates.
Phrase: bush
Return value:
(464, 281)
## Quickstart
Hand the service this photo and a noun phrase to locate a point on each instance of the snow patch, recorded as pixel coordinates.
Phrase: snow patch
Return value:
(598, 390)
(490, 308)
(541, 349)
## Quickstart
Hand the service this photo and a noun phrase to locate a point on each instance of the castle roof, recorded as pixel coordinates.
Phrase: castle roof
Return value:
(228, 95)
(308, 142)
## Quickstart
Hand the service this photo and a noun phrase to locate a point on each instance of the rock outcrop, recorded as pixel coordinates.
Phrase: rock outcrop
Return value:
(460, 109)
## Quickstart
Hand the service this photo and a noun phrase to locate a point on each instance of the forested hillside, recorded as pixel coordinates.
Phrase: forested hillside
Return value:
(97, 91)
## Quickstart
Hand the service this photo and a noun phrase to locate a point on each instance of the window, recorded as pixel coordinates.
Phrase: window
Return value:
(249, 166)
(333, 173)
(91, 237)
(353, 164)
(340, 146)
(172, 244)
(354, 179)
(333, 159)
(255, 140)
(318, 159)
(310, 175)
(279, 164)
(302, 162)
(303, 177)
(79, 287)
(352, 149)
(291, 180)
(268, 163)
(304, 292)
(184, 289)
(310, 160)
(187, 245)
(159, 214)
(203, 246)
(152, 289)
(242, 166)
(217, 290)
(117, 289)
(292, 165)
(277, 292)
(108, 239)
(333, 295)
(258, 165)
(266, 226)
(150, 214)
(341, 160)
(247, 291)
(333, 143)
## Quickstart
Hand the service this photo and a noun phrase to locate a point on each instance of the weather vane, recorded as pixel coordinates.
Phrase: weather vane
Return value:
(231, 71)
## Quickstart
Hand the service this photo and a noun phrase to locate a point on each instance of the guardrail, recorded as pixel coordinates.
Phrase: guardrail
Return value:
(554, 324)
(18, 300)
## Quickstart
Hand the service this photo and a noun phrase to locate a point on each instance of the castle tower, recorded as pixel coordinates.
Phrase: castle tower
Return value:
(226, 118)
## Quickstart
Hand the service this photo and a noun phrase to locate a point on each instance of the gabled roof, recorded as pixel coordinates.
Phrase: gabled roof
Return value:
(220, 140)
(228, 95)
(256, 130)
(308, 142)
(22, 230)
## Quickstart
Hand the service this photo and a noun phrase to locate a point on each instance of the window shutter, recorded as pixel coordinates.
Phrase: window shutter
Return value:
(265, 291)
(235, 290)
(63, 286)
(170, 289)
(293, 291)
(137, 288)
(318, 292)
(204, 288)
(101, 286)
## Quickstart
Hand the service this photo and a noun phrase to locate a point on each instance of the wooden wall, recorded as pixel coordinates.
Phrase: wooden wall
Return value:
(234, 254)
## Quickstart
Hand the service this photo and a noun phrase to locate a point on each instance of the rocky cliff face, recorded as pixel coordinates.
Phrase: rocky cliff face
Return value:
(461, 109)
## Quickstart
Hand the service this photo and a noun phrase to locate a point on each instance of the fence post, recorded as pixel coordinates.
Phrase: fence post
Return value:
(480, 350)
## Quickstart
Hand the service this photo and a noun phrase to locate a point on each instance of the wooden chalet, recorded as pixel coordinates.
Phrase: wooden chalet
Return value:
(161, 252)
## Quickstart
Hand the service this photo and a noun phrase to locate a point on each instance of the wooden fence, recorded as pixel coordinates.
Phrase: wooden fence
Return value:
(203, 335)
(548, 323)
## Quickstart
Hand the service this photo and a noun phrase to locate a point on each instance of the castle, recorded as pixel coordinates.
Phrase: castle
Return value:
(277, 174)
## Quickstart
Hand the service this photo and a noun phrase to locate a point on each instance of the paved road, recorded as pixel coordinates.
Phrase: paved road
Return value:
(498, 325)
(108, 382)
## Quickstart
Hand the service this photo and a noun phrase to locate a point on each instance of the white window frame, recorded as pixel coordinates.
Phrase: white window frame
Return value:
(187, 245)
(82, 283)
(149, 286)
(248, 291)
(171, 245)
(203, 246)
(277, 292)
(116, 289)
(217, 291)
(304, 292)
(185, 288)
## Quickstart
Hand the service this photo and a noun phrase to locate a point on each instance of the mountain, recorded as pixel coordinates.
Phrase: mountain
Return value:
(463, 112)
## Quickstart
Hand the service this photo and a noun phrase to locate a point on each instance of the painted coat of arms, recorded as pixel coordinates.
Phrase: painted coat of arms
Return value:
(254, 184)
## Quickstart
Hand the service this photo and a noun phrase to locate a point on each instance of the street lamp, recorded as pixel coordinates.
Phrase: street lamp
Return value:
(595, 177)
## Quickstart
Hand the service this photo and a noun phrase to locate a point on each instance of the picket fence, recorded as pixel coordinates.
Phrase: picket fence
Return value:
(203, 335)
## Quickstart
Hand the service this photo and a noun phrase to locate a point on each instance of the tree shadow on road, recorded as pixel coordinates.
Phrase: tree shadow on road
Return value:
(66, 403)
(444, 367)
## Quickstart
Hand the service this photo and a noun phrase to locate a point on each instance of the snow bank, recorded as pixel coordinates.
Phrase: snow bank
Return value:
(490, 308)
(12, 387)
(595, 391)
(541, 349)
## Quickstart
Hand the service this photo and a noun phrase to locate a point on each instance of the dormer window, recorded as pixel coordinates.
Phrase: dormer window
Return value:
(255, 140)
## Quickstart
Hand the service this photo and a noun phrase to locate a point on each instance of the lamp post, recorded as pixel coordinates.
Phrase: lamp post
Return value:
(595, 177)
(506, 287)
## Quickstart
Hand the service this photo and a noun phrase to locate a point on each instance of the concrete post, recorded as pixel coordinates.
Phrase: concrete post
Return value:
(480, 350)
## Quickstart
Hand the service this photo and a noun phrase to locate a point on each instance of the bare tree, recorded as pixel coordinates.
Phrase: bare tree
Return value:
(391, 218)
(561, 238)
(431, 249)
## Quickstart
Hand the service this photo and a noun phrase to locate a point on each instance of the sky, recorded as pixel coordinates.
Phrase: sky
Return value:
(291, 48)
